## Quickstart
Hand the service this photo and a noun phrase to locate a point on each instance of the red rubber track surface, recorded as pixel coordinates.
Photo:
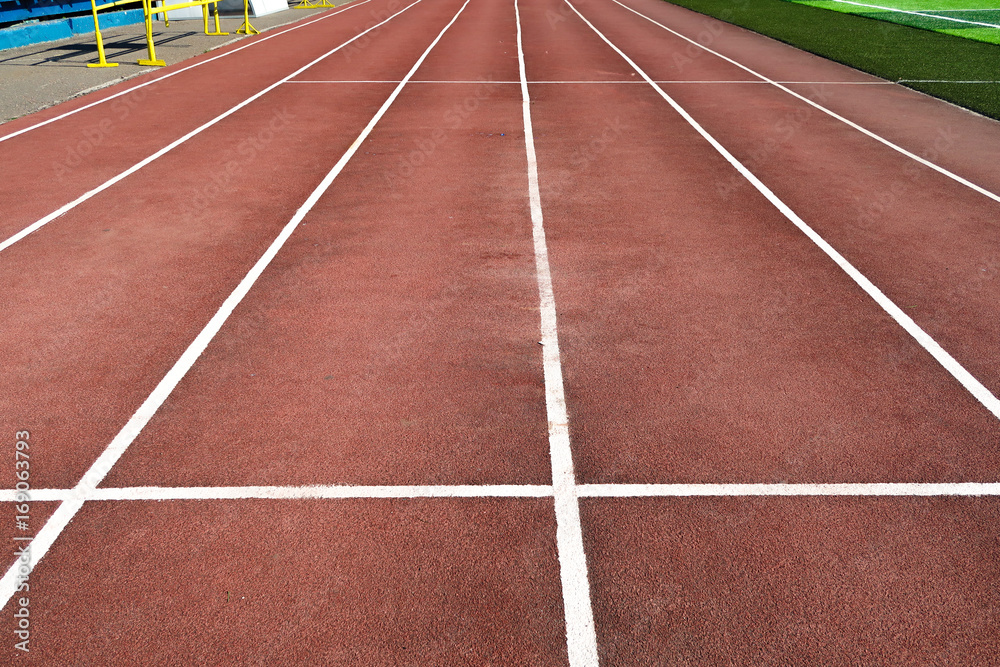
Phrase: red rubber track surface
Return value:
(705, 338)
(803, 581)
(335, 338)
(908, 118)
(149, 268)
(394, 340)
(61, 161)
(916, 234)
(390, 586)
(11, 534)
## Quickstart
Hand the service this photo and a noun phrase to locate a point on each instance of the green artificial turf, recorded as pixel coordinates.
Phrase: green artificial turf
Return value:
(925, 19)
(921, 59)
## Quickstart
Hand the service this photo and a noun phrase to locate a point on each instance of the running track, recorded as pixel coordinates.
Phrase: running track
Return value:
(504, 334)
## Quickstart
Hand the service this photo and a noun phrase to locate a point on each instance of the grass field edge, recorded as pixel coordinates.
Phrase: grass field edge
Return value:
(926, 61)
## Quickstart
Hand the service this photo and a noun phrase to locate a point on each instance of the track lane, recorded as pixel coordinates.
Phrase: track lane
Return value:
(151, 266)
(348, 582)
(43, 117)
(399, 332)
(41, 543)
(705, 339)
(925, 240)
(527, 647)
(781, 581)
(899, 115)
(952, 137)
(708, 341)
(64, 161)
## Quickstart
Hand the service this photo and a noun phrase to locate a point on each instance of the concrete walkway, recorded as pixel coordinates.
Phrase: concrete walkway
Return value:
(39, 76)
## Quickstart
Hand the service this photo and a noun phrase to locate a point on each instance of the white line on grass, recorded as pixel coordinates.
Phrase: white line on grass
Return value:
(914, 13)
(35, 226)
(974, 386)
(99, 469)
(333, 492)
(832, 114)
(254, 42)
(581, 638)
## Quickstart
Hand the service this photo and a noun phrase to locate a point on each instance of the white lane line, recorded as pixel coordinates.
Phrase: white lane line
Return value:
(270, 35)
(736, 81)
(322, 492)
(100, 468)
(166, 149)
(581, 638)
(729, 490)
(596, 81)
(915, 13)
(344, 81)
(761, 83)
(333, 492)
(832, 114)
(415, 81)
(976, 388)
(675, 81)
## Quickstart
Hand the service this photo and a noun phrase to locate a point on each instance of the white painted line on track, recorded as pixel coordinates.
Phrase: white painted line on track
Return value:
(756, 82)
(581, 637)
(268, 35)
(635, 81)
(915, 13)
(729, 490)
(342, 81)
(35, 226)
(333, 492)
(974, 386)
(321, 492)
(513, 83)
(723, 81)
(102, 466)
(927, 163)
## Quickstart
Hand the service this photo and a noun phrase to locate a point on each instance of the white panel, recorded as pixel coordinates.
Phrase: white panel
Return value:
(179, 14)
(257, 8)
(265, 7)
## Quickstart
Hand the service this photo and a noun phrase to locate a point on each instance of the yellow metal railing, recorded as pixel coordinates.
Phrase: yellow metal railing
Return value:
(149, 11)
(245, 28)
(311, 4)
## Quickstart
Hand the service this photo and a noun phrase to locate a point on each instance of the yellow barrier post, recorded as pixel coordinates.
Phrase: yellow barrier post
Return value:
(246, 28)
(215, 10)
(204, 13)
(100, 42)
(151, 61)
(149, 11)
